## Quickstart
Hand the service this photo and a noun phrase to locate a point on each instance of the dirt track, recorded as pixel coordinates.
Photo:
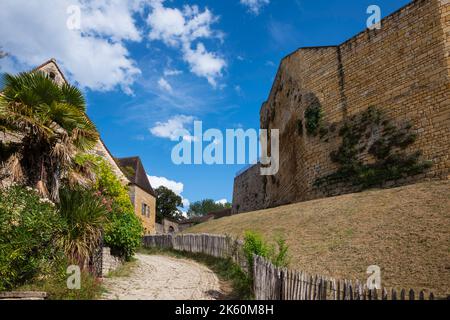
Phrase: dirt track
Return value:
(164, 278)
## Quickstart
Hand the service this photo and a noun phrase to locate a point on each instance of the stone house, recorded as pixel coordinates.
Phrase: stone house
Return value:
(173, 226)
(142, 194)
(168, 226)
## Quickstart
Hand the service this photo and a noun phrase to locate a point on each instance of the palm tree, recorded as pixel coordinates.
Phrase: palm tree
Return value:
(53, 127)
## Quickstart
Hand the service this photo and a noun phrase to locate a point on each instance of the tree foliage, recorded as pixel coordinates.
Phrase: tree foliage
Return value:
(204, 207)
(168, 204)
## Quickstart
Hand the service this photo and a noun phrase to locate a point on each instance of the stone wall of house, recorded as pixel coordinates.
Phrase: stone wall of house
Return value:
(167, 226)
(110, 262)
(403, 69)
(159, 228)
(138, 197)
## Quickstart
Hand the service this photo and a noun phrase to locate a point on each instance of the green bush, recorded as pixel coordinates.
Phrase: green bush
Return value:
(29, 227)
(281, 257)
(124, 232)
(254, 244)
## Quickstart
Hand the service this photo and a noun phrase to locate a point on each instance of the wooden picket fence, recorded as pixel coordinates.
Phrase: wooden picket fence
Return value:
(213, 245)
(273, 283)
(164, 241)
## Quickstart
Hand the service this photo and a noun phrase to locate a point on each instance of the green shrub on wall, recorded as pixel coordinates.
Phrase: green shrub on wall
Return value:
(29, 227)
(124, 232)
(107, 182)
(373, 134)
(313, 119)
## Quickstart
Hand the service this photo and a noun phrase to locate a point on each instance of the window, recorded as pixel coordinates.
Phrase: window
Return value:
(52, 75)
(144, 209)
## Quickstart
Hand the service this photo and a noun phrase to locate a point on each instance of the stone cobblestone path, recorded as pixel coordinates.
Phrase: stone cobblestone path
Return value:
(164, 278)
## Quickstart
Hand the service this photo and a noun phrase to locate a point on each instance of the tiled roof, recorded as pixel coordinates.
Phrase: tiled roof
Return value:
(135, 172)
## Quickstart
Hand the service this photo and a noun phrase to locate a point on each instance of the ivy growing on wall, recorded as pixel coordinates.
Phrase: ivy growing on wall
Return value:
(313, 119)
(371, 133)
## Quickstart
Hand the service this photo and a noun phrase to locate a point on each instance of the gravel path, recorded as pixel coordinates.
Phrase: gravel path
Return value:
(164, 278)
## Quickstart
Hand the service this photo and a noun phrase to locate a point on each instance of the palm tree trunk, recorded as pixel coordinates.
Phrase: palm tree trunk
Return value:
(56, 183)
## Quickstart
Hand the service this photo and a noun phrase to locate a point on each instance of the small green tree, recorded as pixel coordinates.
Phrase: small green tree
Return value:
(168, 204)
(204, 207)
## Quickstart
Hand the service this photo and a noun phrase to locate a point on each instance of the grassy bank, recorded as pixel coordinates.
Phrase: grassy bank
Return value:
(403, 230)
(56, 287)
(234, 283)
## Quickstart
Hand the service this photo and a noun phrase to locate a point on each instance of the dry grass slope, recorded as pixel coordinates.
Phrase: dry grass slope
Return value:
(406, 231)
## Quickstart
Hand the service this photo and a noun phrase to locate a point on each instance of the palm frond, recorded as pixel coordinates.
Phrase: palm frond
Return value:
(85, 216)
(85, 140)
(73, 96)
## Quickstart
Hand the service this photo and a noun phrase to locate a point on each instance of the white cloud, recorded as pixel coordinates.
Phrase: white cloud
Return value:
(172, 127)
(112, 18)
(186, 203)
(222, 201)
(177, 187)
(94, 56)
(254, 6)
(164, 85)
(204, 63)
(181, 29)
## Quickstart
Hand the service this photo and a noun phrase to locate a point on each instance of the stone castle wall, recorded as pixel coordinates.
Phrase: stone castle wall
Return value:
(248, 191)
(402, 69)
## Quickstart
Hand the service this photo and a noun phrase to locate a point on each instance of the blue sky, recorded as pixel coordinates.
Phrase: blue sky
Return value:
(149, 66)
